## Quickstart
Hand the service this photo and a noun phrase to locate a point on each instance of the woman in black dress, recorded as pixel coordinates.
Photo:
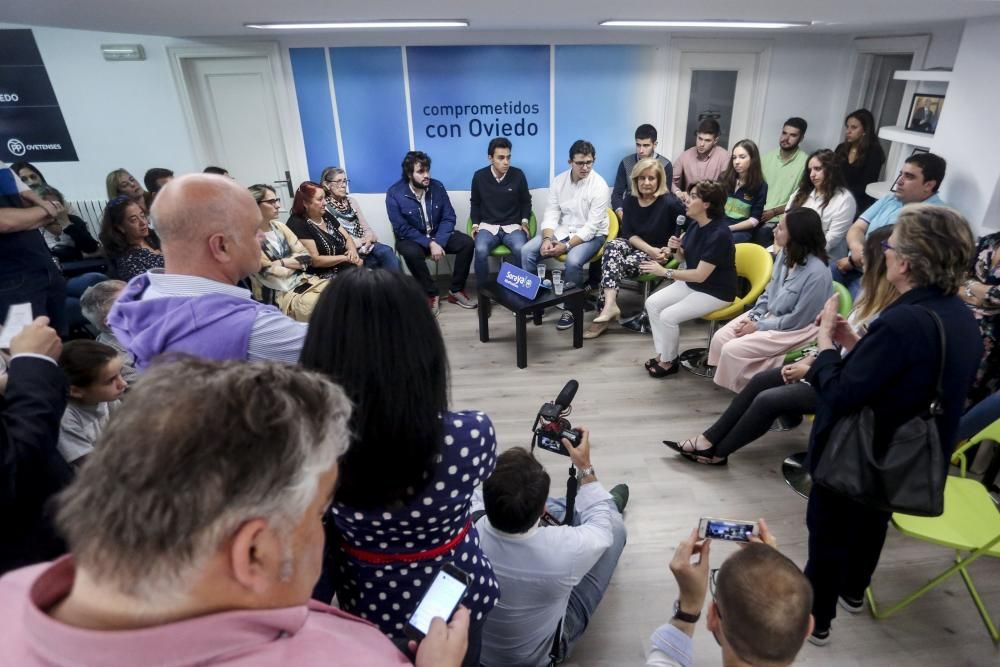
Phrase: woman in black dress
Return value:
(331, 247)
(862, 156)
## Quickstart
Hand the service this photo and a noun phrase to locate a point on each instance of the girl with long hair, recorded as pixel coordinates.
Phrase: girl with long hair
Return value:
(824, 190)
(862, 156)
(747, 193)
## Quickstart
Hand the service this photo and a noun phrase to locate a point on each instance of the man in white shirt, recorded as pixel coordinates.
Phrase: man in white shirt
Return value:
(575, 222)
(552, 577)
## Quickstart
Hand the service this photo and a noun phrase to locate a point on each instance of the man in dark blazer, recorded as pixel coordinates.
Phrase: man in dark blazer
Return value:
(31, 468)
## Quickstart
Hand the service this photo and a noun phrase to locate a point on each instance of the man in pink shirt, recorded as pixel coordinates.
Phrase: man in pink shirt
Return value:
(196, 534)
(706, 160)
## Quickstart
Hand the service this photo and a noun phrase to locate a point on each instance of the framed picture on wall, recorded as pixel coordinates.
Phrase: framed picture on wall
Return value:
(925, 110)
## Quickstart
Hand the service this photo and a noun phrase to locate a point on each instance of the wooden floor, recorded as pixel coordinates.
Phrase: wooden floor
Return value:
(629, 414)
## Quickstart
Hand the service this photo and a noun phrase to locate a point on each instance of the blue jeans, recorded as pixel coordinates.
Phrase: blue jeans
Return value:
(979, 416)
(486, 242)
(587, 594)
(382, 257)
(575, 259)
(850, 279)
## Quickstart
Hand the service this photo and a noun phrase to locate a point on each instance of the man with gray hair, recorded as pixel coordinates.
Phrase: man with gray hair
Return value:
(201, 544)
(208, 230)
(95, 304)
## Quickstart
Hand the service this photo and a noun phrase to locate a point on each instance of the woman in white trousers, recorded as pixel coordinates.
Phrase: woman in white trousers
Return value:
(707, 283)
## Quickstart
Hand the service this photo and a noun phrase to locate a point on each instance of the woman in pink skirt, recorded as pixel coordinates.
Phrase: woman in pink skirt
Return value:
(784, 315)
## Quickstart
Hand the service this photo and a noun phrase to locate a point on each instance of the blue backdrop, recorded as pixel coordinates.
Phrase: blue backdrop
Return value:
(462, 96)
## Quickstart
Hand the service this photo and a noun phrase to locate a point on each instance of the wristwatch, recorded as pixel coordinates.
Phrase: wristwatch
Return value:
(586, 472)
(684, 616)
(670, 274)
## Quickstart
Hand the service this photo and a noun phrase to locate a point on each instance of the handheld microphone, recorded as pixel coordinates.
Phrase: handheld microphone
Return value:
(565, 396)
(681, 222)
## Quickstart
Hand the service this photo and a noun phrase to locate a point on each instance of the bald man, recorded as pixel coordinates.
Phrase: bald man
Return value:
(208, 230)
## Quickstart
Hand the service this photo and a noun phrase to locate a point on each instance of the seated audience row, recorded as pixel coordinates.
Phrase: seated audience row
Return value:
(778, 393)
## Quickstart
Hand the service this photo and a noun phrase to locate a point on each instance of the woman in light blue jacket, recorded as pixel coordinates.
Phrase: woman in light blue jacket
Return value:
(784, 315)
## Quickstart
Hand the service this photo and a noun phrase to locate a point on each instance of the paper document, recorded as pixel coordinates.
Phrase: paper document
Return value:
(18, 317)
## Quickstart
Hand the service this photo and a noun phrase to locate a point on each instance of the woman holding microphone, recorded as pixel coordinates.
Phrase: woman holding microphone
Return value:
(707, 283)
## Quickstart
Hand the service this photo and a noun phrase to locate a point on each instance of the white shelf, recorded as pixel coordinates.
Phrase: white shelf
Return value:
(922, 75)
(904, 136)
(878, 190)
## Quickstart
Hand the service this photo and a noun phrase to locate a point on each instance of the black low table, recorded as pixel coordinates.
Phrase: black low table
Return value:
(572, 298)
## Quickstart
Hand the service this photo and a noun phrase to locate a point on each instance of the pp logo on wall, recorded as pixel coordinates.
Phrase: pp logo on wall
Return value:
(32, 127)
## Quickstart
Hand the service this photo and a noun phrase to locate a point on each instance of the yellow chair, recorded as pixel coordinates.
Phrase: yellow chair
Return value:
(612, 235)
(970, 525)
(502, 250)
(754, 264)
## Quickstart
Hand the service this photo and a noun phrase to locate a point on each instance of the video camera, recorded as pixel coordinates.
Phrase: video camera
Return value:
(551, 425)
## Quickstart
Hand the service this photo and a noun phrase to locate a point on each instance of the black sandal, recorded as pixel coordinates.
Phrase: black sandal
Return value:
(659, 372)
(706, 457)
(651, 362)
(703, 456)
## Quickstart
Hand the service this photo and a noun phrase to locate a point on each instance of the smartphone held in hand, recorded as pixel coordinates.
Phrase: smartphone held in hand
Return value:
(440, 601)
(732, 530)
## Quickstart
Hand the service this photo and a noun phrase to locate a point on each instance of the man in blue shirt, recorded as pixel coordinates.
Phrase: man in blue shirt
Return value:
(918, 183)
(424, 223)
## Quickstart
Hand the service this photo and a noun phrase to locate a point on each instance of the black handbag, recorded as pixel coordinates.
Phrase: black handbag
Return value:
(905, 475)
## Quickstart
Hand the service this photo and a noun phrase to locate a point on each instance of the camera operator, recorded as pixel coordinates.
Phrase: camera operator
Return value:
(760, 606)
(553, 576)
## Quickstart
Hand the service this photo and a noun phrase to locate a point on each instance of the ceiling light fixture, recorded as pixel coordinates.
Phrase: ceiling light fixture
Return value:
(362, 25)
(706, 23)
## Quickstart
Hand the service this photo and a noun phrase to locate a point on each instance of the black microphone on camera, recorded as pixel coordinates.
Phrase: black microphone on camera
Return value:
(565, 396)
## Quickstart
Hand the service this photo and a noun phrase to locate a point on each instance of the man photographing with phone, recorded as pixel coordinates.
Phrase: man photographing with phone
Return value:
(552, 577)
(759, 611)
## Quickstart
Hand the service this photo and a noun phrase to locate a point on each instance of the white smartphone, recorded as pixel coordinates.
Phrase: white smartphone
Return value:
(440, 601)
(733, 530)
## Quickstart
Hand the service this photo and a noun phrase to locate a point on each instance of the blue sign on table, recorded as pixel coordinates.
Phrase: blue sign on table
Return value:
(519, 281)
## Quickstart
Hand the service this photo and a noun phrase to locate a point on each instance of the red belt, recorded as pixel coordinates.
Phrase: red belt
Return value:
(379, 557)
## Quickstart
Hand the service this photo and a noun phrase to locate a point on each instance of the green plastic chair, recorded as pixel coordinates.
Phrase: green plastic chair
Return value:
(502, 250)
(846, 304)
(970, 525)
(650, 281)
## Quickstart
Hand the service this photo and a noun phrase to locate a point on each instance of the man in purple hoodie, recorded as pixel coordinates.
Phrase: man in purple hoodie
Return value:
(208, 229)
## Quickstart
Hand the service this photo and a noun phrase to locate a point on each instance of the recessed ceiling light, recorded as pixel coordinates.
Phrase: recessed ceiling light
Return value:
(707, 23)
(361, 25)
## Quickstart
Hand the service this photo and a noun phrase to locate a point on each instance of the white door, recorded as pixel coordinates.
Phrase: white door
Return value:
(720, 86)
(236, 119)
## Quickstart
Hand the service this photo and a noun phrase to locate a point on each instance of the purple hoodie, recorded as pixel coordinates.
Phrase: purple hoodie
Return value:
(213, 326)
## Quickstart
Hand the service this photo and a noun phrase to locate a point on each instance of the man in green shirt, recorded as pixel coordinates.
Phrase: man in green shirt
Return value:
(783, 168)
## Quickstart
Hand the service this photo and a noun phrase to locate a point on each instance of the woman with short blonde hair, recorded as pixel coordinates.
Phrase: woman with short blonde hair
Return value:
(649, 219)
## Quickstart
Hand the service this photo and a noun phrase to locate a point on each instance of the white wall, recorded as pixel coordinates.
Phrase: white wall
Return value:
(967, 134)
(119, 114)
(127, 114)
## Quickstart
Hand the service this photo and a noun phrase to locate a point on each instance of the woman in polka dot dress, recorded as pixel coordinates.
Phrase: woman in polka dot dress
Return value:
(406, 482)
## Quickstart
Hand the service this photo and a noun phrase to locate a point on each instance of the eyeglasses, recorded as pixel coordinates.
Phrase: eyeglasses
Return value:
(712, 576)
(584, 163)
(272, 202)
(887, 246)
(341, 181)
